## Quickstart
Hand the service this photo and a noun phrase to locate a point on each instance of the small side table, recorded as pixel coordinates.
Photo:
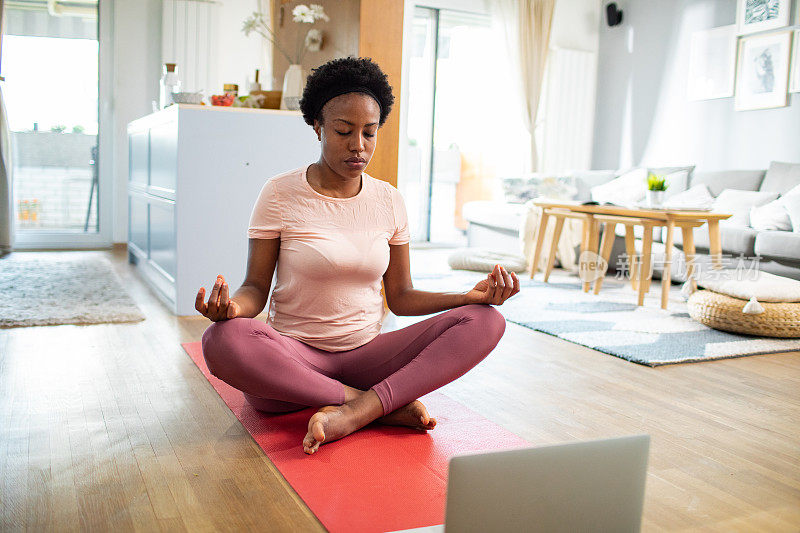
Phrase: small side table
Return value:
(641, 272)
(588, 238)
(685, 220)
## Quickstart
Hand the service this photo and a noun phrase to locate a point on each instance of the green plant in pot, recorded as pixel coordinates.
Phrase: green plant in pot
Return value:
(656, 187)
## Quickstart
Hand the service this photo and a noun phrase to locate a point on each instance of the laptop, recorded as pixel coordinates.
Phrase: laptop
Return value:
(583, 486)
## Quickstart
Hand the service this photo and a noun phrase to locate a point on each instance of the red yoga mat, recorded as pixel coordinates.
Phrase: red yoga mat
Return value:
(380, 478)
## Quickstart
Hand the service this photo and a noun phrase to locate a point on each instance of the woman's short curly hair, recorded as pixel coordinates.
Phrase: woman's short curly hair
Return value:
(336, 77)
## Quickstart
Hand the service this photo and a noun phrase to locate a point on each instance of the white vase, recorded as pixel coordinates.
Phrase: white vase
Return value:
(655, 198)
(294, 82)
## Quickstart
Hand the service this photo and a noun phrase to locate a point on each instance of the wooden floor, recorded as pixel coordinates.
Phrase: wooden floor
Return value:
(113, 427)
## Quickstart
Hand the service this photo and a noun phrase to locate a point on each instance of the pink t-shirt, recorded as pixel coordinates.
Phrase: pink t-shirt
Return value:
(333, 254)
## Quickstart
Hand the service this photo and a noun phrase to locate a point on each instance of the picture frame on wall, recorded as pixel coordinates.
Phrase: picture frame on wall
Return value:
(712, 63)
(794, 78)
(762, 73)
(759, 15)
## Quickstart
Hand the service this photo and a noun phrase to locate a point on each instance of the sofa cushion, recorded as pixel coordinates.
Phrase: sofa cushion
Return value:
(791, 202)
(772, 216)
(744, 180)
(695, 197)
(738, 203)
(736, 240)
(781, 177)
(629, 188)
(503, 215)
(663, 171)
(584, 181)
(676, 183)
(778, 245)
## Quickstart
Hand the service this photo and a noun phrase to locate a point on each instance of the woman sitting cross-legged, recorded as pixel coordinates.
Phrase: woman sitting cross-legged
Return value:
(334, 233)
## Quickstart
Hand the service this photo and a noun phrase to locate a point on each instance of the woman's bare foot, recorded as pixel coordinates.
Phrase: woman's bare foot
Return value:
(328, 424)
(413, 415)
(333, 422)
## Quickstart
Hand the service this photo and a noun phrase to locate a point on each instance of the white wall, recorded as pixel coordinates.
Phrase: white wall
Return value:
(240, 56)
(566, 109)
(576, 25)
(137, 60)
(137, 70)
(643, 116)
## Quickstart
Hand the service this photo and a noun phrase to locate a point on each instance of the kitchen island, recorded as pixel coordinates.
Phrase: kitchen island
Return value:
(194, 174)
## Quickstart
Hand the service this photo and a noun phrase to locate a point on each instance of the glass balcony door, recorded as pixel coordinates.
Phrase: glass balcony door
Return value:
(464, 131)
(51, 65)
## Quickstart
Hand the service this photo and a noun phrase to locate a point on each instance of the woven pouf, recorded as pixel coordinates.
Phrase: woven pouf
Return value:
(483, 260)
(725, 313)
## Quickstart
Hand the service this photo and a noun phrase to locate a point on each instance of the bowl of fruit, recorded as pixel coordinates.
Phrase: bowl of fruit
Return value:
(222, 99)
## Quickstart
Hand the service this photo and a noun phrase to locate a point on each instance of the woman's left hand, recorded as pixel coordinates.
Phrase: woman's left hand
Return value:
(498, 287)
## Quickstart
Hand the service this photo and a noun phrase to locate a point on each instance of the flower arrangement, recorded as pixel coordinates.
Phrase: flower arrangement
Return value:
(302, 14)
(656, 183)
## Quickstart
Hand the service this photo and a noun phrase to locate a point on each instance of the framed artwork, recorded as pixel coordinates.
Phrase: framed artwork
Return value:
(760, 15)
(762, 75)
(712, 63)
(794, 81)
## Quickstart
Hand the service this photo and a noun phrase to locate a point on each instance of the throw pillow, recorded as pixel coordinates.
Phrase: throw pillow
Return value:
(738, 203)
(791, 202)
(627, 189)
(519, 190)
(661, 171)
(793, 191)
(676, 183)
(670, 170)
(781, 177)
(583, 181)
(696, 197)
(771, 217)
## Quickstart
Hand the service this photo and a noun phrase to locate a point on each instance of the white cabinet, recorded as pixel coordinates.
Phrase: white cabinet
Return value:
(194, 174)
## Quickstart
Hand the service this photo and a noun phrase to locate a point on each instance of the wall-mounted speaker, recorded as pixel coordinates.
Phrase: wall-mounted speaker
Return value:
(613, 14)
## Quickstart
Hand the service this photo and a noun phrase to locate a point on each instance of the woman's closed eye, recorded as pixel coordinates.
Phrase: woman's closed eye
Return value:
(345, 133)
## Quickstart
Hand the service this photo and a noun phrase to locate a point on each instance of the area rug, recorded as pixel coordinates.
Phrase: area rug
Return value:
(612, 323)
(49, 288)
(380, 478)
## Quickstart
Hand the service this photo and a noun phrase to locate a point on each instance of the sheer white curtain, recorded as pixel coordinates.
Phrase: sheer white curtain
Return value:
(526, 24)
(6, 197)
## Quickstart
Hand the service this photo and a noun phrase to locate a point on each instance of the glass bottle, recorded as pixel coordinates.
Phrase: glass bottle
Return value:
(169, 84)
(231, 88)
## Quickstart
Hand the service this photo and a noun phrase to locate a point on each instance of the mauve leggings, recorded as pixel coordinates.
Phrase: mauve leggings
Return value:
(278, 374)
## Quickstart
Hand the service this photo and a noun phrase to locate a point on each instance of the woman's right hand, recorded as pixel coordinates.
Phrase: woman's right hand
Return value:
(219, 306)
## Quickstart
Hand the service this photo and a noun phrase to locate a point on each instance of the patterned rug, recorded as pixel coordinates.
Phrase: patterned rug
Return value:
(50, 288)
(612, 323)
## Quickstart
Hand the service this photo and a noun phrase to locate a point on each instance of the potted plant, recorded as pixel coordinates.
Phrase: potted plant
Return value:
(295, 78)
(656, 186)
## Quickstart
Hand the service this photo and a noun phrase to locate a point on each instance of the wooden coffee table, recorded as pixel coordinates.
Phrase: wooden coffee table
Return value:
(611, 215)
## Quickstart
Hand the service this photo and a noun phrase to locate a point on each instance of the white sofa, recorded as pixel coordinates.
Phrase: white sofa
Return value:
(496, 225)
